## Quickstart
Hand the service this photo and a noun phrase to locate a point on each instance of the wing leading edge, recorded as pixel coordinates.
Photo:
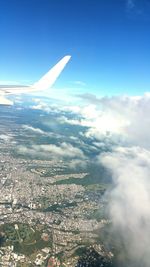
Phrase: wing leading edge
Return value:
(44, 83)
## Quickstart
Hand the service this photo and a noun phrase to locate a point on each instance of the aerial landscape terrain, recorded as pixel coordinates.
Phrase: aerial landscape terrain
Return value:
(52, 194)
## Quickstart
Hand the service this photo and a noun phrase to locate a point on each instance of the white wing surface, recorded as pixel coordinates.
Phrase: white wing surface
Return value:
(44, 83)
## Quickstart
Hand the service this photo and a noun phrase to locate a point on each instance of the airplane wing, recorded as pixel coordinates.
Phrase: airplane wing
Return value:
(44, 83)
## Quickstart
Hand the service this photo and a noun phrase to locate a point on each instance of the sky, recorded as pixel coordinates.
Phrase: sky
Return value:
(108, 40)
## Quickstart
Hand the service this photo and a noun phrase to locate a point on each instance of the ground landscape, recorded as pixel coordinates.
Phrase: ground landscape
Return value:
(52, 201)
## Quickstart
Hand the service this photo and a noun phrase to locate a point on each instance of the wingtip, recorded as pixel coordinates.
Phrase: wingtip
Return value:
(68, 56)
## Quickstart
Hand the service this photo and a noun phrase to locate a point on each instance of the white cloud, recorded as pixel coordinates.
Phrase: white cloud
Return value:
(64, 150)
(41, 106)
(129, 203)
(47, 123)
(36, 130)
(122, 116)
(80, 83)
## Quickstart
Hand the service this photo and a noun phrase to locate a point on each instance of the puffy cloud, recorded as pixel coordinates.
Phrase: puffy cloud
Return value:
(41, 106)
(80, 83)
(64, 150)
(32, 129)
(64, 119)
(129, 201)
(130, 114)
(122, 116)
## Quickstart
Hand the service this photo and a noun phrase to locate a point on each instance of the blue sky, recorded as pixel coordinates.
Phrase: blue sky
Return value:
(109, 41)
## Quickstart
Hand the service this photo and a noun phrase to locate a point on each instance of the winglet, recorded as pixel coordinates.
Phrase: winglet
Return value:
(50, 77)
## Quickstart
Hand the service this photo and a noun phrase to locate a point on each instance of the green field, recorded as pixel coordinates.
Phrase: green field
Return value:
(24, 238)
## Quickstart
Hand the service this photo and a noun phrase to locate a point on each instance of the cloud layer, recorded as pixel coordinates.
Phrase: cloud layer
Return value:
(64, 150)
(129, 204)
